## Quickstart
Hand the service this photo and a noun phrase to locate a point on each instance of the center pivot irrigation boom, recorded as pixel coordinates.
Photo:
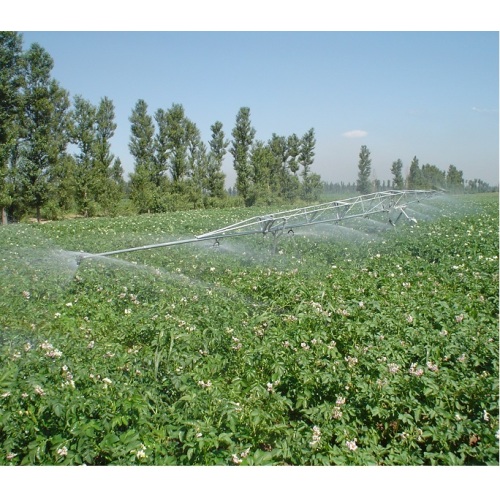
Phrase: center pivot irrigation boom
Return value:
(393, 203)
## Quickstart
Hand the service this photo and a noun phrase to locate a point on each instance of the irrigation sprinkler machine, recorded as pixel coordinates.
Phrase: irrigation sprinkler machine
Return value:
(393, 203)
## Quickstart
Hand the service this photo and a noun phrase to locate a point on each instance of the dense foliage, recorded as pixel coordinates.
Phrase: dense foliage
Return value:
(173, 168)
(340, 346)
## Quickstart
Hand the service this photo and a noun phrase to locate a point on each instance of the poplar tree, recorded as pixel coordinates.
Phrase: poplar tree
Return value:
(432, 177)
(262, 163)
(82, 133)
(306, 152)
(363, 184)
(177, 143)
(144, 180)
(218, 146)
(311, 182)
(414, 175)
(397, 172)
(108, 189)
(10, 85)
(293, 147)
(243, 135)
(454, 178)
(43, 127)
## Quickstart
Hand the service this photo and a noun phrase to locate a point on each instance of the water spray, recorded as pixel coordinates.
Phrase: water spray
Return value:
(392, 203)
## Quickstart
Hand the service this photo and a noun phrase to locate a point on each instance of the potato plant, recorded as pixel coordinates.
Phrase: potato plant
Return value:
(357, 345)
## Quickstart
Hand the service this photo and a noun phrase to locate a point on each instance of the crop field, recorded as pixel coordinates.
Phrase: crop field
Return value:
(361, 344)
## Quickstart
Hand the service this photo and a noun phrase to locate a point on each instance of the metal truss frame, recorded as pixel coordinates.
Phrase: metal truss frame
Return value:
(392, 202)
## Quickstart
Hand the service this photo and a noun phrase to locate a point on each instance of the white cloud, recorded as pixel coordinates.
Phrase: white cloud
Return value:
(483, 110)
(354, 134)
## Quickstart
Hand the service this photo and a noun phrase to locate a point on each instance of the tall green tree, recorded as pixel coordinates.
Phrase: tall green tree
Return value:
(291, 187)
(177, 143)
(293, 146)
(92, 128)
(83, 135)
(278, 147)
(243, 135)
(218, 146)
(10, 85)
(43, 127)
(262, 162)
(397, 172)
(454, 179)
(144, 181)
(363, 184)
(415, 175)
(197, 159)
(432, 177)
(109, 193)
(310, 182)
(161, 152)
(306, 153)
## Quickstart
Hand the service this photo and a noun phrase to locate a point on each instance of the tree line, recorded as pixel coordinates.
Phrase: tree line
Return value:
(426, 177)
(173, 168)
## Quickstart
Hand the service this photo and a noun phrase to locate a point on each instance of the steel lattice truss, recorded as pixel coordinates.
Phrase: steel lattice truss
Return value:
(393, 203)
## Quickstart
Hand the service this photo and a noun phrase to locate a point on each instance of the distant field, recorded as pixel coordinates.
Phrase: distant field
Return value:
(341, 345)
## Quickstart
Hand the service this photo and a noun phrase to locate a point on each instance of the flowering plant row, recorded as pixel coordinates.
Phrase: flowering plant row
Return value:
(352, 345)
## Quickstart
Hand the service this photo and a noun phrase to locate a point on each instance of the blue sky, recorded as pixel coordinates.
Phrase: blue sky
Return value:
(431, 94)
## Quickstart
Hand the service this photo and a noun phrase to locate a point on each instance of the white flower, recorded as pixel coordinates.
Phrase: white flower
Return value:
(416, 372)
(69, 304)
(236, 459)
(486, 416)
(432, 366)
(316, 437)
(351, 361)
(26, 295)
(106, 381)
(128, 311)
(39, 390)
(393, 368)
(11, 455)
(57, 315)
(351, 445)
(337, 413)
(62, 452)
(54, 353)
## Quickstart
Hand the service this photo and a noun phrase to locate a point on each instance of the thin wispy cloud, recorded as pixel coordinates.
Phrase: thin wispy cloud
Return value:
(355, 134)
(483, 110)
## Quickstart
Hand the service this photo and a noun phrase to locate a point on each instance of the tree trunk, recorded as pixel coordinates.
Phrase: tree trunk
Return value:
(4, 216)
(38, 217)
